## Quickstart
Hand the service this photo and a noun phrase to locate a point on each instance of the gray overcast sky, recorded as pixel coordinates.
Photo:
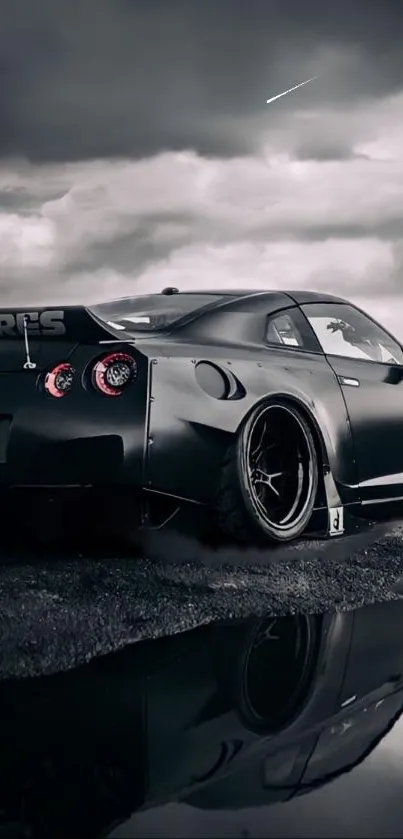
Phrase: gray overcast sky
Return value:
(137, 149)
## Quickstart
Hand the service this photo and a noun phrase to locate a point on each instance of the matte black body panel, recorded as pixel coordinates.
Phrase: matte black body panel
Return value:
(190, 431)
(301, 297)
(168, 434)
(81, 439)
(375, 410)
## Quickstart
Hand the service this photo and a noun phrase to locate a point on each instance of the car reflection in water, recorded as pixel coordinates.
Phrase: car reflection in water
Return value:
(237, 717)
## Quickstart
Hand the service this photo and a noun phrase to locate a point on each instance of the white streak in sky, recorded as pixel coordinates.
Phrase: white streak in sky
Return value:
(301, 84)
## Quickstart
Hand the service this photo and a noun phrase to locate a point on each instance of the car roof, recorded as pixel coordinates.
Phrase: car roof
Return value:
(298, 296)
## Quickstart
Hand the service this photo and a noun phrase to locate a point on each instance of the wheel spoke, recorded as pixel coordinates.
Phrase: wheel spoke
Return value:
(266, 479)
(263, 452)
(258, 448)
(267, 634)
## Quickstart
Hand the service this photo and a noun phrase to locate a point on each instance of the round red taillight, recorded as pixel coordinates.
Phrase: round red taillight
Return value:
(59, 380)
(113, 372)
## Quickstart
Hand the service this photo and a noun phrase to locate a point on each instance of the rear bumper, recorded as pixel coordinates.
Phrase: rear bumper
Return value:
(81, 462)
(96, 515)
(69, 453)
(67, 516)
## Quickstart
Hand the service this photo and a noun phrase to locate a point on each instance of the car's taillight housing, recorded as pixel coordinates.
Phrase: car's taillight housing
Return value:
(59, 380)
(112, 373)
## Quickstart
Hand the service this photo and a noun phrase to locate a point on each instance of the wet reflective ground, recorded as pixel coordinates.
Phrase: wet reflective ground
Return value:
(61, 610)
(258, 726)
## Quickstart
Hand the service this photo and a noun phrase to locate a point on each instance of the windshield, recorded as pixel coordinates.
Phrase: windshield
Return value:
(153, 312)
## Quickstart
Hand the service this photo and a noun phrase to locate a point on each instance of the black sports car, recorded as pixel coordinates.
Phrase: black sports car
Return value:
(276, 412)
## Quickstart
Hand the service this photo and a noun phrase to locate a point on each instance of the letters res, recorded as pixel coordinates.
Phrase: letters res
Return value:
(49, 322)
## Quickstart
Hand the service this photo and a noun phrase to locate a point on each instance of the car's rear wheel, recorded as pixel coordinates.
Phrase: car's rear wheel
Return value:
(269, 478)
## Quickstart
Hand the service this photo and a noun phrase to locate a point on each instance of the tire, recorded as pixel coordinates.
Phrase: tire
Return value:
(273, 501)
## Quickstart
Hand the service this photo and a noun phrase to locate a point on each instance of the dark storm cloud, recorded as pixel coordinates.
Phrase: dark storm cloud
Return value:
(105, 78)
(138, 248)
(16, 200)
(154, 160)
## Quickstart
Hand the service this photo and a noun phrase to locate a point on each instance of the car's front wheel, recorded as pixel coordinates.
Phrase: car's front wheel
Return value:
(269, 478)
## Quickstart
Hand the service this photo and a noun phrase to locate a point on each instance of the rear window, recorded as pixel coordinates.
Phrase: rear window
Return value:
(153, 312)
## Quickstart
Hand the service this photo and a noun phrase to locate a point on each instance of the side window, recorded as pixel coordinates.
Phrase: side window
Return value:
(345, 331)
(282, 330)
(290, 329)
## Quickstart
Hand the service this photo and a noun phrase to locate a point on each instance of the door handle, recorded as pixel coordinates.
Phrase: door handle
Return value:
(347, 380)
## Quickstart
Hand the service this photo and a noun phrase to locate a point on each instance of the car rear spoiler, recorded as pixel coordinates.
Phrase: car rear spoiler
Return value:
(69, 323)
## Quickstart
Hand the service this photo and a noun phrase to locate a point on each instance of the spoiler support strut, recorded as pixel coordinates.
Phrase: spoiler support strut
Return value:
(29, 365)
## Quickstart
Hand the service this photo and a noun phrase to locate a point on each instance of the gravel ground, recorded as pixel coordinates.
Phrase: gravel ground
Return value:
(59, 613)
